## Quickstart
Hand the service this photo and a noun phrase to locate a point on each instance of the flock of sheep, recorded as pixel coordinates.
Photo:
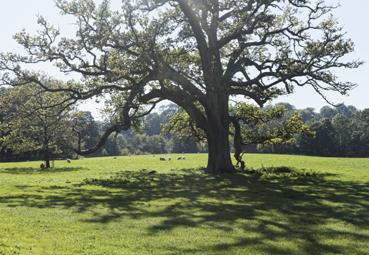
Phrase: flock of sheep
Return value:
(161, 159)
(169, 159)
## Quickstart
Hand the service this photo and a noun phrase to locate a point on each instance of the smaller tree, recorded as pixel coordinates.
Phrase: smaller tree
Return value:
(343, 128)
(3, 113)
(36, 121)
(323, 143)
(152, 124)
(252, 125)
(360, 133)
(264, 126)
(328, 112)
(85, 129)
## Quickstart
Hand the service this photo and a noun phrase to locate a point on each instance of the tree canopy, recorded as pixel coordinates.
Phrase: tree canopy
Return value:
(197, 54)
(34, 120)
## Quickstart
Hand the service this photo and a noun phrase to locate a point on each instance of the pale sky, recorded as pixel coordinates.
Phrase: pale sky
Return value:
(353, 16)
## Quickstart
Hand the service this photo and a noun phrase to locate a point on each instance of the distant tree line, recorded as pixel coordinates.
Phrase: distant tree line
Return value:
(32, 131)
(341, 131)
(149, 138)
(38, 130)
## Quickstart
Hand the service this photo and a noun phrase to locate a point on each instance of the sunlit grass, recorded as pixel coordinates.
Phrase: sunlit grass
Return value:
(140, 205)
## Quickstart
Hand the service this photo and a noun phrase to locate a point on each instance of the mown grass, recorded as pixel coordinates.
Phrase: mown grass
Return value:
(140, 205)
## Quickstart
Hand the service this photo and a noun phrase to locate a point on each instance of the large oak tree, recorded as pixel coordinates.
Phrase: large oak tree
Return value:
(196, 53)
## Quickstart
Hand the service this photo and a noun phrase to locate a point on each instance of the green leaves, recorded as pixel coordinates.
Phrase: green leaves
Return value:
(35, 120)
(260, 126)
(271, 125)
(181, 124)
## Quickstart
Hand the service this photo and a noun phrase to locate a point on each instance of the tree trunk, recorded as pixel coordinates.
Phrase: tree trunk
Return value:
(238, 143)
(219, 155)
(46, 147)
(47, 158)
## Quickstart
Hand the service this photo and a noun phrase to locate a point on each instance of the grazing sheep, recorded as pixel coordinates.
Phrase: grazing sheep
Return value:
(163, 159)
(42, 166)
(69, 161)
(179, 158)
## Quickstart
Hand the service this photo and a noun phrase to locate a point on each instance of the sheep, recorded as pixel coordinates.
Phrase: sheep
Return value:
(166, 159)
(181, 158)
(42, 166)
(69, 161)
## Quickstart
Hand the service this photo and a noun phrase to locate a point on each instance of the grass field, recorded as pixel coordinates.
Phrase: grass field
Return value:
(140, 205)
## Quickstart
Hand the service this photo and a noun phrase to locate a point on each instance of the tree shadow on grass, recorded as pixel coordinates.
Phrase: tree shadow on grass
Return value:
(273, 204)
(35, 170)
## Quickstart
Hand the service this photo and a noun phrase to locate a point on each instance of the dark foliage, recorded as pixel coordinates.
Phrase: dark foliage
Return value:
(339, 131)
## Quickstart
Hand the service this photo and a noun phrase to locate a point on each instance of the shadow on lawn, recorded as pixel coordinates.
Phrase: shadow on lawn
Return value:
(35, 170)
(273, 204)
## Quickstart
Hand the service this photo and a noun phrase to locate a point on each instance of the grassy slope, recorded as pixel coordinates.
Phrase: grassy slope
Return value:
(115, 206)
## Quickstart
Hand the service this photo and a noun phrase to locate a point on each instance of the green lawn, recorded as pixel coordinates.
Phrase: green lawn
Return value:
(140, 205)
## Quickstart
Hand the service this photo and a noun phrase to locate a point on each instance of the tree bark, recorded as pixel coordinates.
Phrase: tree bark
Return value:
(219, 155)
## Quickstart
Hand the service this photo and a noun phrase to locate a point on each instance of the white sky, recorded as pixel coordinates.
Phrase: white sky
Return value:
(353, 16)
